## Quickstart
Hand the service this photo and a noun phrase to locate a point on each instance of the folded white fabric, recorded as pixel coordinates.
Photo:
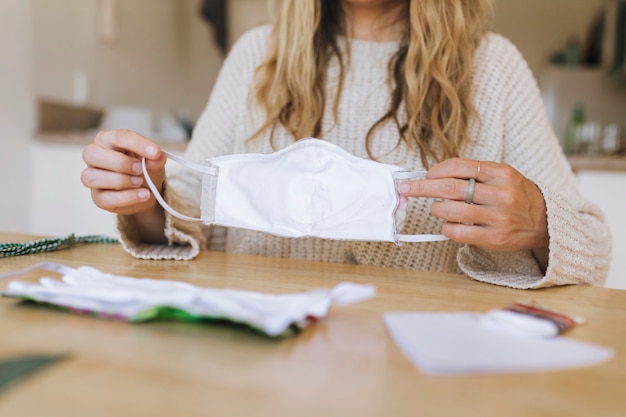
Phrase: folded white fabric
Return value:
(89, 290)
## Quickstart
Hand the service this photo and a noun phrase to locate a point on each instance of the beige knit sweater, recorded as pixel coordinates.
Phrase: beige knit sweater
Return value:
(513, 129)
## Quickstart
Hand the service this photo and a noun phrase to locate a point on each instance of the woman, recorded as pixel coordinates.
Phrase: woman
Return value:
(415, 83)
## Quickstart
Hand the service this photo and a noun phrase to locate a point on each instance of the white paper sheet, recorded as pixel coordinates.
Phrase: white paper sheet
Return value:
(461, 343)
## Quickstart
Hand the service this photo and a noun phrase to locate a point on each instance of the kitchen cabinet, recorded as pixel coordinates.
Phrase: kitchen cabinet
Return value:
(60, 204)
(606, 188)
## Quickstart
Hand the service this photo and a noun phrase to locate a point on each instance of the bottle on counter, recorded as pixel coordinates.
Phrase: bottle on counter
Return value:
(571, 143)
(573, 52)
(612, 138)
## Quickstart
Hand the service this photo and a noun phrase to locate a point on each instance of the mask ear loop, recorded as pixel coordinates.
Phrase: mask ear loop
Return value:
(420, 238)
(157, 195)
(412, 175)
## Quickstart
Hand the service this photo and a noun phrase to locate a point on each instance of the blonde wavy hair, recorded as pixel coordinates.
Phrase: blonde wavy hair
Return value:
(431, 73)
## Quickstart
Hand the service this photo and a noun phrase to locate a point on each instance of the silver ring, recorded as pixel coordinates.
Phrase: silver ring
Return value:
(470, 191)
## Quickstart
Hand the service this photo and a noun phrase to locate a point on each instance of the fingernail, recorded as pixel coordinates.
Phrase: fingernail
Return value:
(404, 188)
(143, 194)
(151, 151)
(136, 180)
(136, 168)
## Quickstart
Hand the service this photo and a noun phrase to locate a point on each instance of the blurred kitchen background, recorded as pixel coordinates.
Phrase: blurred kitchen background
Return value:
(71, 67)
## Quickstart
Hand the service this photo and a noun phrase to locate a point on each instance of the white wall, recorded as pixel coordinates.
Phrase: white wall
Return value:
(246, 14)
(540, 27)
(160, 56)
(16, 113)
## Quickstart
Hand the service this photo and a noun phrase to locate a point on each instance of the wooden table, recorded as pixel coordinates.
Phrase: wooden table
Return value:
(346, 365)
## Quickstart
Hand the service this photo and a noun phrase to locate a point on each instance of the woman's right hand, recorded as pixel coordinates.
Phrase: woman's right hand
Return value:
(115, 177)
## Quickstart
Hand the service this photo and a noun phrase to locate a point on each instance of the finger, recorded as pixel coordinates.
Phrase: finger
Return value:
(96, 156)
(486, 237)
(128, 141)
(461, 168)
(460, 212)
(467, 233)
(122, 202)
(108, 180)
(447, 189)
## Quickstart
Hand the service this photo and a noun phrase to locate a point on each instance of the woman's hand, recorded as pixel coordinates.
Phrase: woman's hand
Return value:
(504, 211)
(115, 178)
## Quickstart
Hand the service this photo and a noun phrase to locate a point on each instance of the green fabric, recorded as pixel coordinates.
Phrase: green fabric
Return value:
(8, 249)
(172, 313)
(13, 369)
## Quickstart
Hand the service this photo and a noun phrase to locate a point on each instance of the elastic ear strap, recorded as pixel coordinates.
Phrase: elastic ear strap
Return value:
(157, 195)
(421, 238)
(205, 169)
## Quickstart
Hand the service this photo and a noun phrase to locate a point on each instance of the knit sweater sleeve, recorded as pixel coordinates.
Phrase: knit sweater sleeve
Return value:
(580, 240)
(215, 134)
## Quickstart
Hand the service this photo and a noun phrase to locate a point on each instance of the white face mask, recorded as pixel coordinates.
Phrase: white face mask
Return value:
(311, 188)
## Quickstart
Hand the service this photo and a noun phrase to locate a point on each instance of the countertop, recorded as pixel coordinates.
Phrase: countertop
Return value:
(84, 137)
(615, 163)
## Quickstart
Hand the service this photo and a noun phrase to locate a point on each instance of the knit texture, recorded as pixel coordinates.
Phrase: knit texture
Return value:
(513, 129)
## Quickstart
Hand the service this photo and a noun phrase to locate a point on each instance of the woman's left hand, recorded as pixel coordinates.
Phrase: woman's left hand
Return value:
(504, 211)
